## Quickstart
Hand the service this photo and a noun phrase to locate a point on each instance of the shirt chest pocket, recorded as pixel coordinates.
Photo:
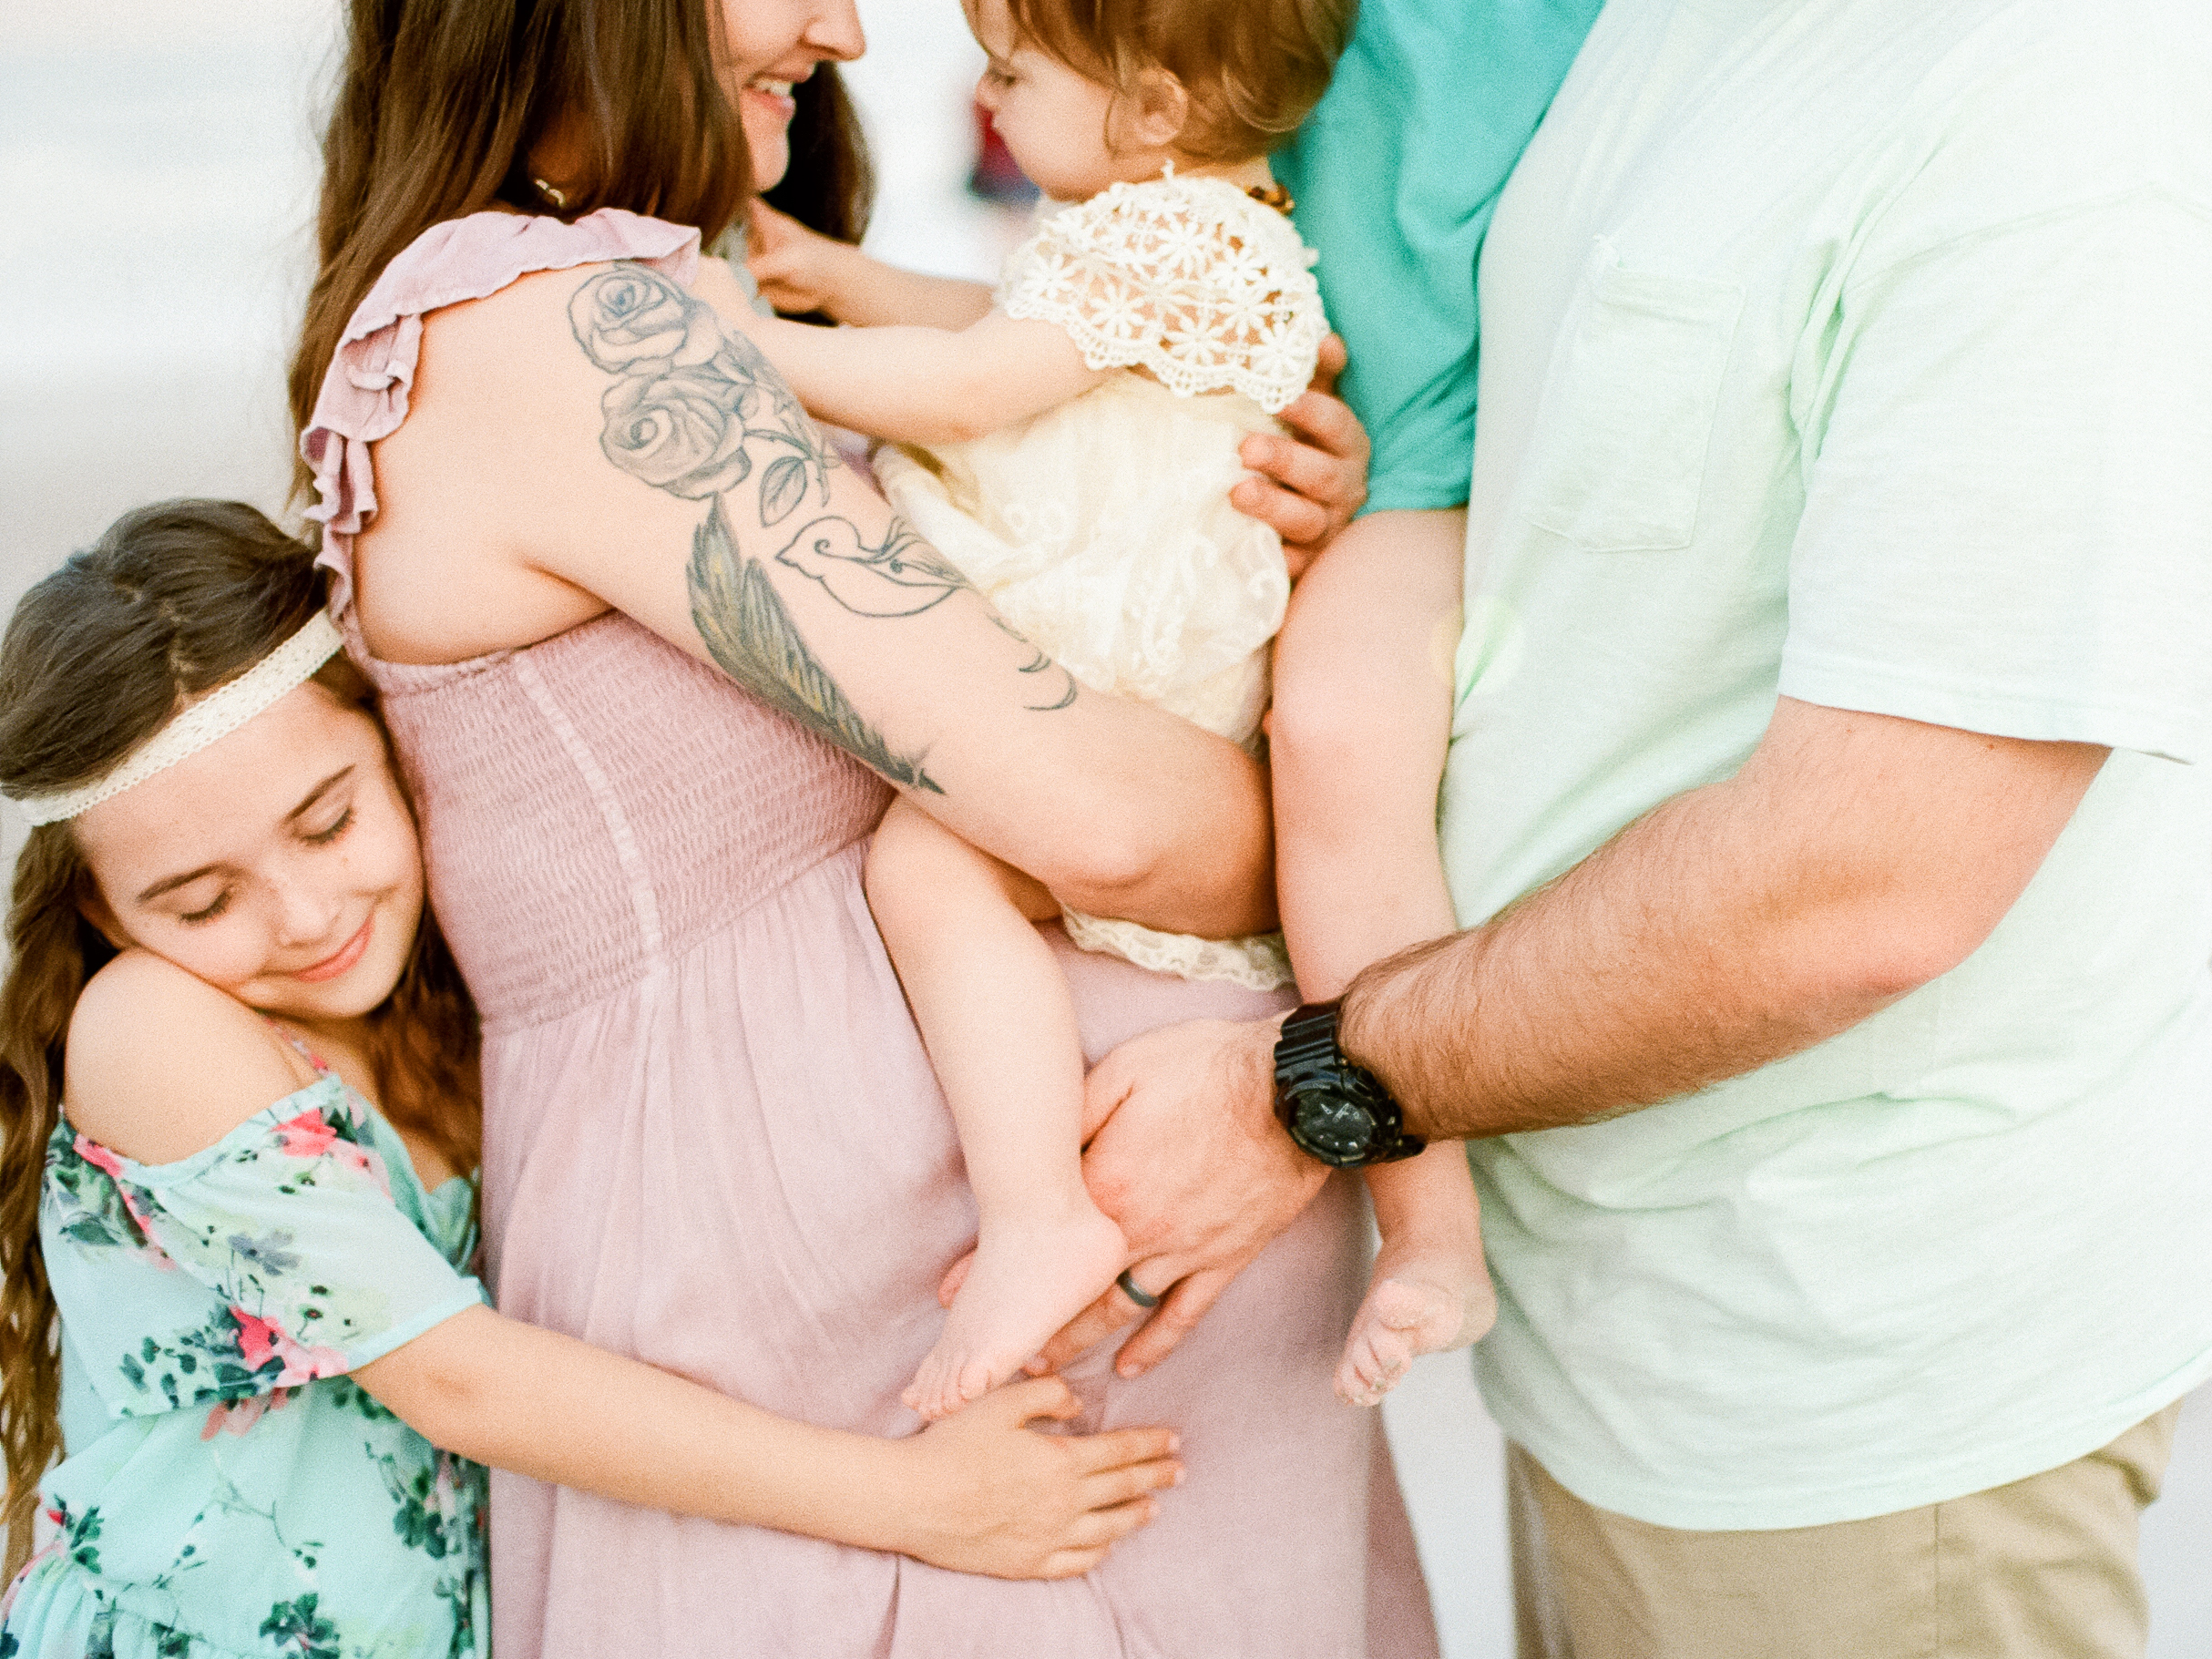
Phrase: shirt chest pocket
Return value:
(1619, 457)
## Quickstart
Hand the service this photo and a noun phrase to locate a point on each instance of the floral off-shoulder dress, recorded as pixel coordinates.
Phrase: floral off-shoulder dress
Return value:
(228, 1488)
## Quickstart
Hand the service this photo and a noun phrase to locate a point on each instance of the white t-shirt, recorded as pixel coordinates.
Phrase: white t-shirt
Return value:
(1859, 351)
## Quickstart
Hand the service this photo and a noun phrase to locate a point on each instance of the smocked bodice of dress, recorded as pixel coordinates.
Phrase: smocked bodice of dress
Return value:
(571, 845)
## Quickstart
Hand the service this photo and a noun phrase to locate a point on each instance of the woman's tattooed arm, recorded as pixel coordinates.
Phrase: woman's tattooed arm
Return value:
(697, 411)
(695, 406)
(750, 631)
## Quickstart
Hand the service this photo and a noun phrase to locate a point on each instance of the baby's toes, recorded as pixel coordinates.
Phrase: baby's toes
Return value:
(1375, 1358)
(1424, 1317)
(1359, 1381)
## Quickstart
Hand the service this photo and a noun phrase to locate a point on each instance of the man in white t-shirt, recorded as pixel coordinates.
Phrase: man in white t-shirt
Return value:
(1830, 780)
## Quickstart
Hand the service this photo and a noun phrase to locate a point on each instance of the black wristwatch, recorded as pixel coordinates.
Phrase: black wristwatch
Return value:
(1334, 1110)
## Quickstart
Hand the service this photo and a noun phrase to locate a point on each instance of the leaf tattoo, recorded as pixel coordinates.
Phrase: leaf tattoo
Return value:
(783, 488)
(694, 404)
(749, 631)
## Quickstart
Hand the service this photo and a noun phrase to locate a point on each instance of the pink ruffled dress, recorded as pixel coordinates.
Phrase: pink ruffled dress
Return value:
(712, 1139)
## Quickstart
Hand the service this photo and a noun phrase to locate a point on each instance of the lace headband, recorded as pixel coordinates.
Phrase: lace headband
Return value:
(218, 714)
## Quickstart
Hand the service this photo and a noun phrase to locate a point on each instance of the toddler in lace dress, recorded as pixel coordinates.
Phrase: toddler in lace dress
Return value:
(1068, 446)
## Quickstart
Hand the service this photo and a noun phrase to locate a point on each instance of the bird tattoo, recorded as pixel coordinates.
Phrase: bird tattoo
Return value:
(903, 577)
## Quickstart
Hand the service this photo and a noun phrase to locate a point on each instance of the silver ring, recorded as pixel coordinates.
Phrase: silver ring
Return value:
(1128, 1288)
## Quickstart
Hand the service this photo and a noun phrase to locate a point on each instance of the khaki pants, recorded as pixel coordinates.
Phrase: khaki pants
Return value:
(2042, 1568)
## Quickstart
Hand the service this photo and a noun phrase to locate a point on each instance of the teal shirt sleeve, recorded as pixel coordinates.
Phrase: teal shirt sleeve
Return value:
(1396, 173)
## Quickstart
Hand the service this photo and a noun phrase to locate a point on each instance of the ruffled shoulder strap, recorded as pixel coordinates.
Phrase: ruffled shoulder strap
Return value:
(1187, 278)
(365, 392)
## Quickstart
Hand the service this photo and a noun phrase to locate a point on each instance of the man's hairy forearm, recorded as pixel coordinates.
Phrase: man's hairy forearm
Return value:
(1854, 858)
(1584, 1000)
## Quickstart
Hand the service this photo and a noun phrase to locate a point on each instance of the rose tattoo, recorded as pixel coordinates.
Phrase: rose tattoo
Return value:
(693, 404)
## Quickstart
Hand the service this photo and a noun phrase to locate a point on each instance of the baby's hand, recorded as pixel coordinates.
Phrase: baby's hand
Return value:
(990, 1495)
(798, 270)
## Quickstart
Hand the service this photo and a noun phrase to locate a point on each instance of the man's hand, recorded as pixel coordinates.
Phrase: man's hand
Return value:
(1184, 1152)
(1310, 485)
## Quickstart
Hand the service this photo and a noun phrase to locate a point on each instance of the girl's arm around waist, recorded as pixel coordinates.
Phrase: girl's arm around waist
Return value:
(975, 1493)
(163, 1066)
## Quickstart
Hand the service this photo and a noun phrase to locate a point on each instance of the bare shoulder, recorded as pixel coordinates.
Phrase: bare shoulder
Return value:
(505, 489)
(565, 437)
(501, 432)
(160, 1064)
(501, 370)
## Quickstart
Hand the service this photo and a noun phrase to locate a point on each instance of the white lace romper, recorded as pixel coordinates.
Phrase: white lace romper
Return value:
(1101, 529)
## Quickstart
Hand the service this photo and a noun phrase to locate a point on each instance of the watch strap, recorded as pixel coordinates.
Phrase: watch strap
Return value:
(1308, 1036)
(1308, 1055)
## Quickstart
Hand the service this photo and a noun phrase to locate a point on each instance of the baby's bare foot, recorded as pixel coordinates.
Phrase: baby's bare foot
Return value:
(1026, 1282)
(1419, 1303)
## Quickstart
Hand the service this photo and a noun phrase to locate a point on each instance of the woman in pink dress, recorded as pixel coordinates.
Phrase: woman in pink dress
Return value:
(555, 479)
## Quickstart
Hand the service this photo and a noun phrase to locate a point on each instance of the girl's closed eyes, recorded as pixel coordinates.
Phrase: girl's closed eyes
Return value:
(220, 903)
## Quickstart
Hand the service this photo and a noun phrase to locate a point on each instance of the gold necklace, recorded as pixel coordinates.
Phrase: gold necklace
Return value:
(1271, 196)
(556, 199)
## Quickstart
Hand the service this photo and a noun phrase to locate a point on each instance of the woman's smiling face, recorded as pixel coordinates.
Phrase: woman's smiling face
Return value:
(767, 47)
(278, 864)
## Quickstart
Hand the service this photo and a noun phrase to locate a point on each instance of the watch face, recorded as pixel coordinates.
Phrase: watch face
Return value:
(1332, 1124)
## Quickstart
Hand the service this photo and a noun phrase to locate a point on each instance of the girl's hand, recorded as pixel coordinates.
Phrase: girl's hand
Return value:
(1311, 484)
(989, 1495)
(798, 270)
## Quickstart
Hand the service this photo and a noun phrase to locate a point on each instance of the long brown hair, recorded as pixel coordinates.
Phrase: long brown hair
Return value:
(440, 103)
(829, 186)
(174, 600)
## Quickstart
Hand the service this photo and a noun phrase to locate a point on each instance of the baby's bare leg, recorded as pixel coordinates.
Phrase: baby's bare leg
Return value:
(1362, 713)
(995, 1013)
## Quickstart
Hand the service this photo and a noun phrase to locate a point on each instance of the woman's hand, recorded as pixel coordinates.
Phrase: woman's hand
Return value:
(987, 1494)
(1310, 485)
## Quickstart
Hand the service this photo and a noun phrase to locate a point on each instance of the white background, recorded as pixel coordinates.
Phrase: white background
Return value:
(156, 177)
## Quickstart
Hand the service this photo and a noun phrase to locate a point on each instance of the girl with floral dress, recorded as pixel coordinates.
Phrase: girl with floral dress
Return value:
(272, 1371)
(1070, 444)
